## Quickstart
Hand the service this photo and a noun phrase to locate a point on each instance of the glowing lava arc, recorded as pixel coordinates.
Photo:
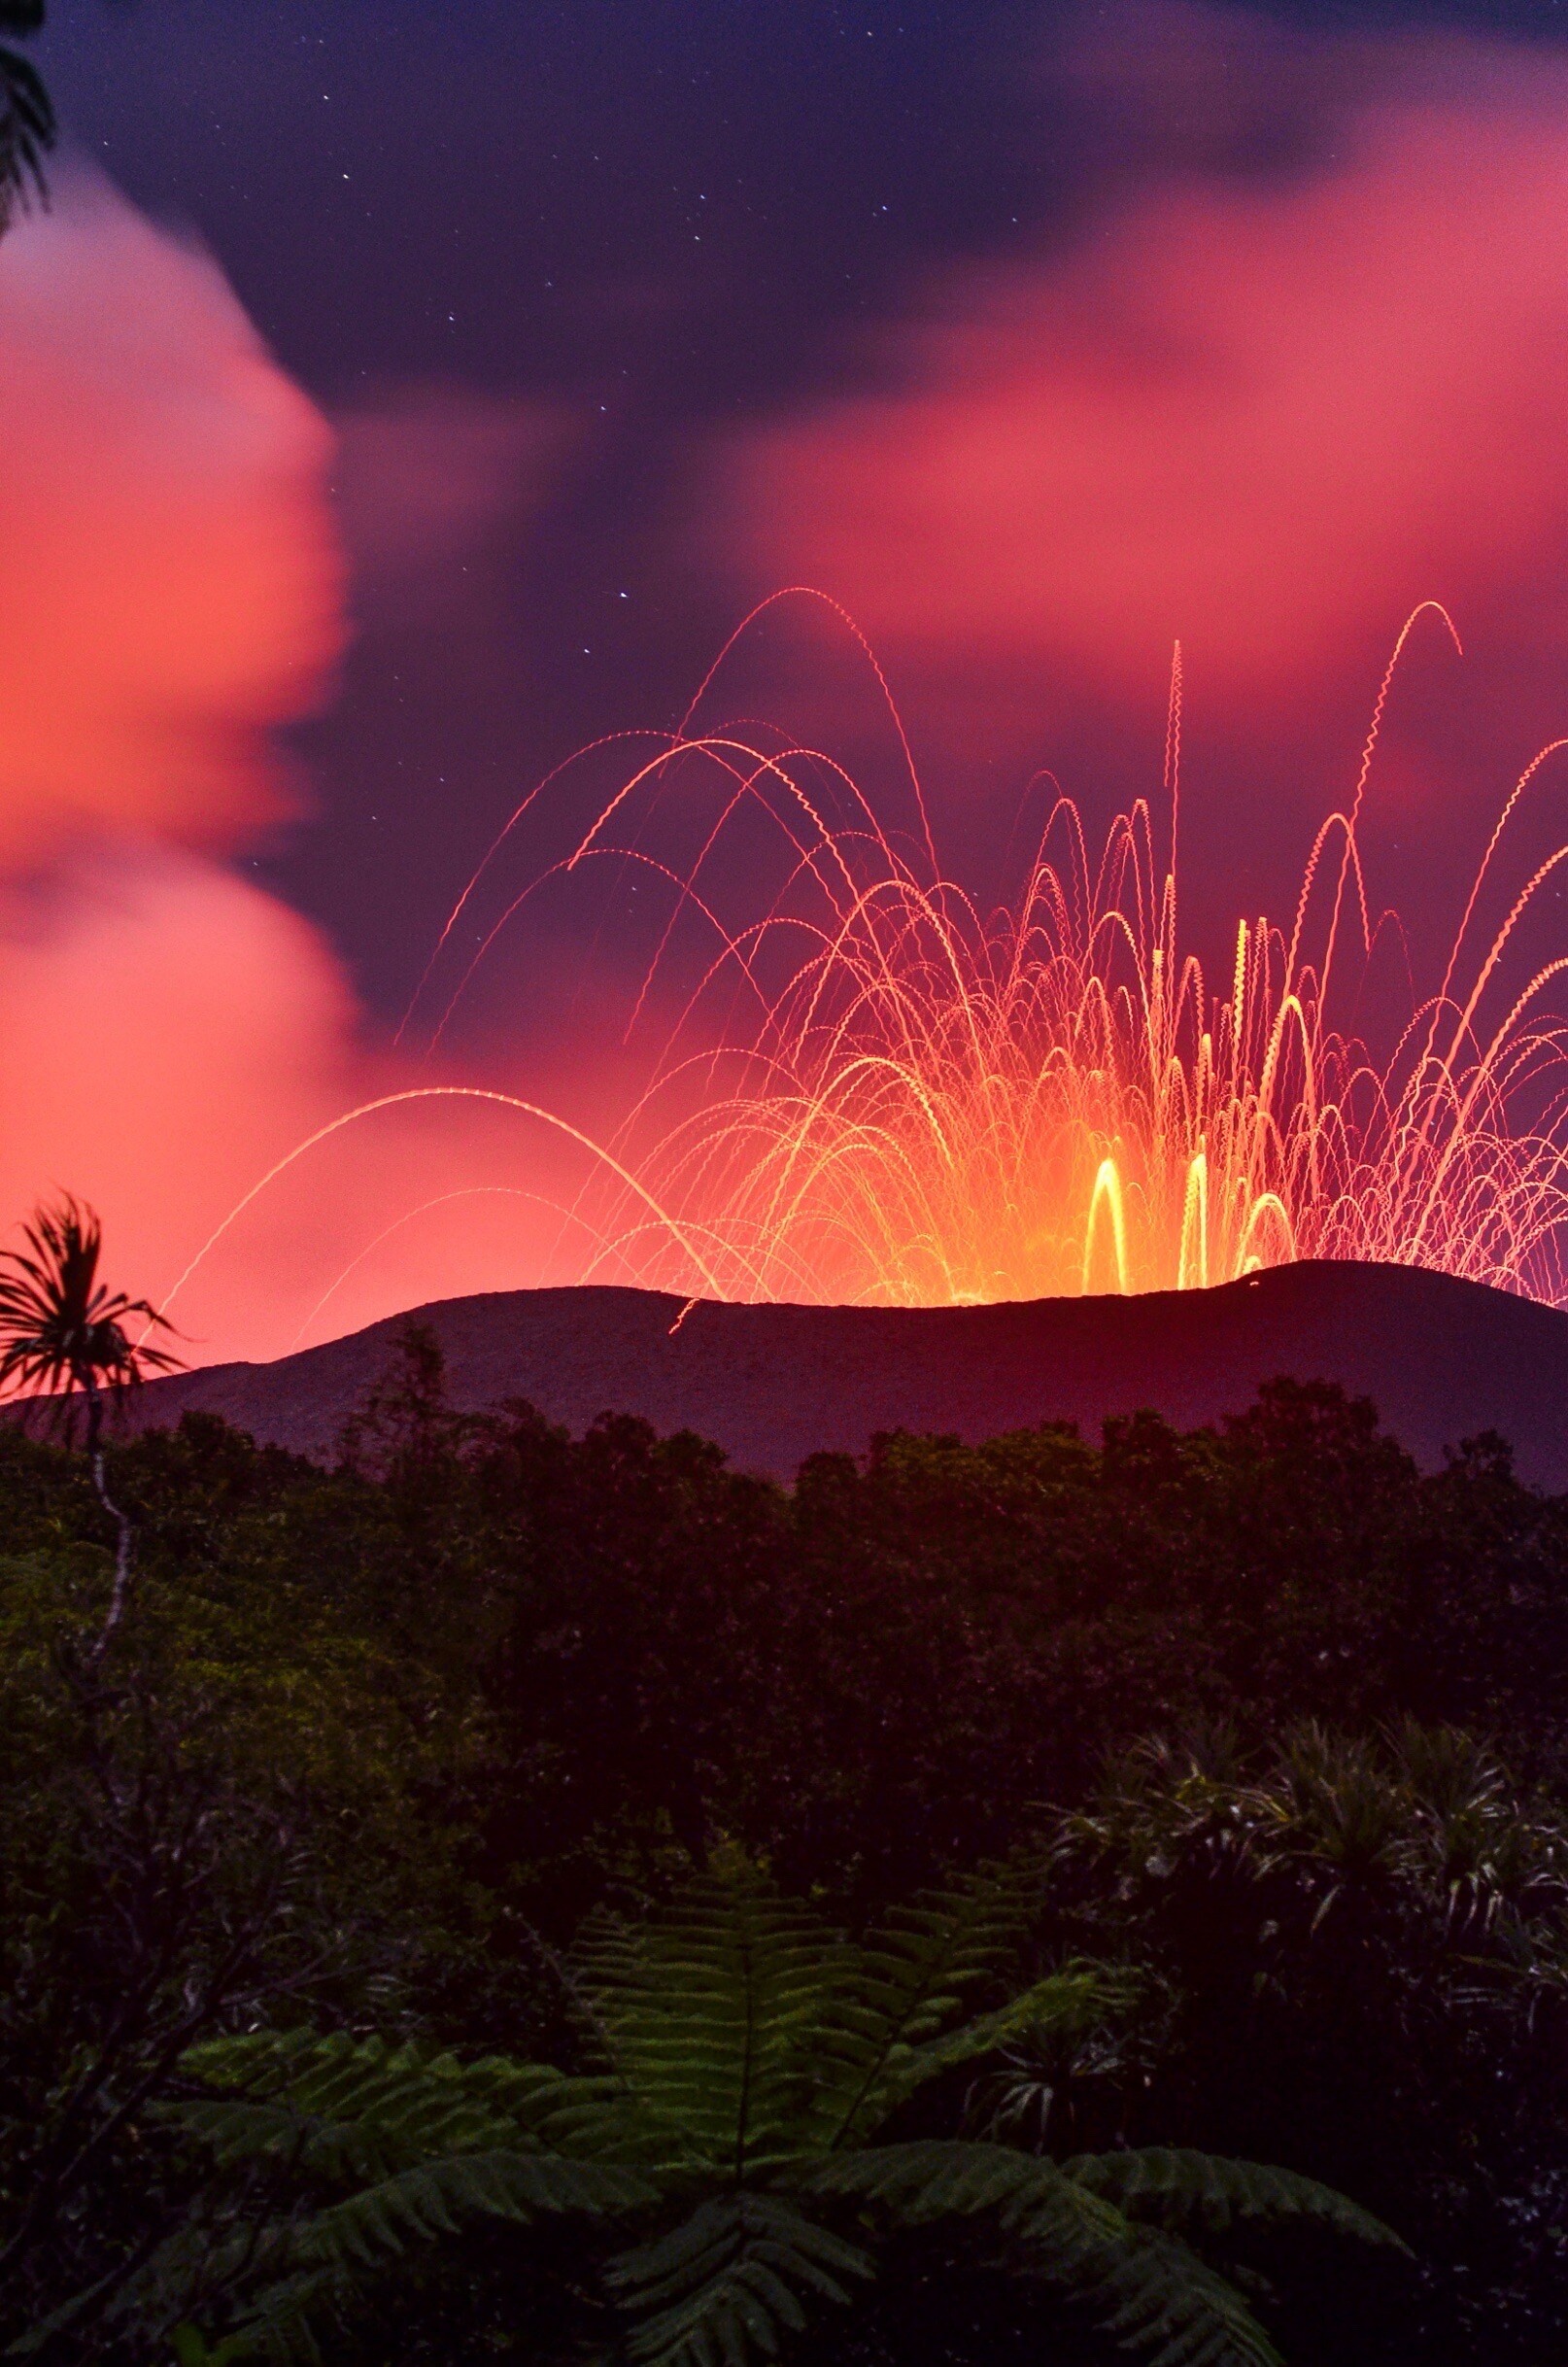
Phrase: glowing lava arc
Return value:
(934, 1110)
(927, 1105)
(876, 1094)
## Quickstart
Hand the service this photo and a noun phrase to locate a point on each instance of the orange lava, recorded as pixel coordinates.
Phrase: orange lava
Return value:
(877, 1093)
(937, 1106)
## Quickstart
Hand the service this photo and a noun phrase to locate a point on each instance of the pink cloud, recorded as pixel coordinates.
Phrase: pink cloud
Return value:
(426, 479)
(171, 580)
(167, 1033)
(172, 591)
(1267, 416)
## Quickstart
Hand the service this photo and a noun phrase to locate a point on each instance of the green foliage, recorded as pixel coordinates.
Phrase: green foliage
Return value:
(214, 1826)
(880, 1675)
(732, 2278)
(1145, 2295)
(748, 2060)
(374, 1742)
(1352, 1939)
(751, 2034)
(1179, 2190)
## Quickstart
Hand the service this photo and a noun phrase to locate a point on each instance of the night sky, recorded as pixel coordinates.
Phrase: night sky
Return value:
(656, 218)
(622, 315)
(659, 218)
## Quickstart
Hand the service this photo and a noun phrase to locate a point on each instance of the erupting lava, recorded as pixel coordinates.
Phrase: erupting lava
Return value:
(877, 1093)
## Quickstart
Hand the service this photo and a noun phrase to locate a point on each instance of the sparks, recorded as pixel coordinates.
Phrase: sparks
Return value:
(878, 1094)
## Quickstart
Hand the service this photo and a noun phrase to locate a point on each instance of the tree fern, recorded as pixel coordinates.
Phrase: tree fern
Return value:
(912, 1976)
(713, 2014)
(748, 2058)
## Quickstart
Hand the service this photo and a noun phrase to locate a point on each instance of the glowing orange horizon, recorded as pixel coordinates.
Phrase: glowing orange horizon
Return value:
(931, 1106)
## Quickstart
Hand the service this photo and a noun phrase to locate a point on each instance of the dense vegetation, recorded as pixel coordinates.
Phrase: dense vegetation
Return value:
(389, 1771)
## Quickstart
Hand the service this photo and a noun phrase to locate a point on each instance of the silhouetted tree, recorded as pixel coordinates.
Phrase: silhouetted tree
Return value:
(62, 1338)
(26, 115)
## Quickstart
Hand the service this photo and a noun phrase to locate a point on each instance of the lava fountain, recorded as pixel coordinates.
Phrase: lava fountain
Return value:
(877, 1093)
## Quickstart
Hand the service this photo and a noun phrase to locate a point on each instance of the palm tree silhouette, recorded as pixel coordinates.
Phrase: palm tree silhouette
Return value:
(63, 1340)
(26, 115)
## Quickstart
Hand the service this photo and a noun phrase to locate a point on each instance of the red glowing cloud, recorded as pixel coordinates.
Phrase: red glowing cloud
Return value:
(164, 1031)
(172, 589)
(171, 582)
(167, 1034)
(1264, 417)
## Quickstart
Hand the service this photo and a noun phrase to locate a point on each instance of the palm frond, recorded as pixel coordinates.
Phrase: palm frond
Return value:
(731, 2281)
(61, 1328)
(27, 127)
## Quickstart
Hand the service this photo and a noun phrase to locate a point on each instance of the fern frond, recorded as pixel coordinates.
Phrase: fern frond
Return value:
(286, 2320)
(1153, 2297)
(1070, 1996)
(1147, 2291)
(439, 2198)
(730, 2281)
(749, 2034)
(711, 2013)
(182, 2274)
(307, 2274)
(342, 2108)
(911, 1977)
(936, 2178)
(1177, 2189)
(432, 2146)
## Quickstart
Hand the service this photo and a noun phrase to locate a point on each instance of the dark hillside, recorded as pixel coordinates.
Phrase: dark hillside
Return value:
(1441, 1360)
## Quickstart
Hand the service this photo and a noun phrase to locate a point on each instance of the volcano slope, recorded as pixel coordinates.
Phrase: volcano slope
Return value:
(1441, 1360)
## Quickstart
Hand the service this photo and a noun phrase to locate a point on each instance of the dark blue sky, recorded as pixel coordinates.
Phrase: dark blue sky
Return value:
(658, 215)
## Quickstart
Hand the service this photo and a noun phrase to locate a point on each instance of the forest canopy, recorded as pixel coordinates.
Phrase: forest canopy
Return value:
(1263, 1726)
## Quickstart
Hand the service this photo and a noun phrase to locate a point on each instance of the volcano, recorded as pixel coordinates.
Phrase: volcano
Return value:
(1441, 1360)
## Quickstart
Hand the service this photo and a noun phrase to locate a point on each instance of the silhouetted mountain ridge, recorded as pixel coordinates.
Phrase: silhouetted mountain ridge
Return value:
(1441, 1360)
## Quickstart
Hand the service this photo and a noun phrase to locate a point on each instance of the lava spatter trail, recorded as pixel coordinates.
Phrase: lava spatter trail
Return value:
(874, 1091)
